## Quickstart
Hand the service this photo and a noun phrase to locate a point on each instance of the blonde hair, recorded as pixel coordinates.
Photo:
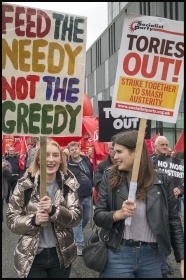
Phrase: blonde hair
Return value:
(35, 166)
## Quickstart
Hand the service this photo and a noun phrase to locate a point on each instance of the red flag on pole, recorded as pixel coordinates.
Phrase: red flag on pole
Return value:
(150, 143)
(149, 146)
(153, 138)
(23, 153)
(179, 144)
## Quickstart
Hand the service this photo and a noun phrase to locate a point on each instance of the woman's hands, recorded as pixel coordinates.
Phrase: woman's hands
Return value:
(46, 204)
(176, 191)
(41, 217)
(127, 210)
(42, 213)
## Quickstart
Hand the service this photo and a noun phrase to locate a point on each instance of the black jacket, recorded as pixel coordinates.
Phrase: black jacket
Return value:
(14, 162)
(161, 214)
(75, 169)
(102, 166)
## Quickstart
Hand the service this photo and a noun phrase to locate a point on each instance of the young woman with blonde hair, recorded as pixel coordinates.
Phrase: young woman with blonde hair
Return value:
(45, 252)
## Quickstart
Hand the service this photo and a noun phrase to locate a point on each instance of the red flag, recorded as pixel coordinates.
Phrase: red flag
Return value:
(17, 146)
(23, 153)
(153, 139)
(179, 144)
(149, 146)
(150, 143)
(3, 144)
(90, 124)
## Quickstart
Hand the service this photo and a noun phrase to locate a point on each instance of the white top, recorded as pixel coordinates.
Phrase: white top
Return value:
(139, 229)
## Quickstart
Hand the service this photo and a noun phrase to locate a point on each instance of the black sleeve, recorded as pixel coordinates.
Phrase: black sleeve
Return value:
(98, 176)
(97, 179)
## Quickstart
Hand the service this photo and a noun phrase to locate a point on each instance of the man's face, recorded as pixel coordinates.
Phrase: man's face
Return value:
(74, 152)
(111, 152)
(162, 147)
(11, 152)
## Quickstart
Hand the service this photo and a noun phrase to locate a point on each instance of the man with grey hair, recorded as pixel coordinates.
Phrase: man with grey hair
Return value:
(161, 146)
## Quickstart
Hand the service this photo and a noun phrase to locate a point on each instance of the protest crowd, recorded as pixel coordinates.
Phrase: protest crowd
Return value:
(64, 168)
(89, 177)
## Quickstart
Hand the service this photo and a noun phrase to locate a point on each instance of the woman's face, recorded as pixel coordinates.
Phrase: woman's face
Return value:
(123, 157)
(53, 159)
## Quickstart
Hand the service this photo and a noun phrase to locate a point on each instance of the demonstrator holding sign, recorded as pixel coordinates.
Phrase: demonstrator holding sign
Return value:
(45, 251)
(133, 249)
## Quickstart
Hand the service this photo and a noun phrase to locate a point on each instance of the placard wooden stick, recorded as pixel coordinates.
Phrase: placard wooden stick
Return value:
(136, 164)
(139, 146)
(43, 190)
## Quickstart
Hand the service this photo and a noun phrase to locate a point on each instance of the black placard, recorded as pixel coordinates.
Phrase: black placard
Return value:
(110, 125)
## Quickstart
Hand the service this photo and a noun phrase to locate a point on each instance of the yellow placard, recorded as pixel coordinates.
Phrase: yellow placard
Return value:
(148, 93)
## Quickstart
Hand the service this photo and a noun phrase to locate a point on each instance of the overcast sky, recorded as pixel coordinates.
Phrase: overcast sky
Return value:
(96, 13)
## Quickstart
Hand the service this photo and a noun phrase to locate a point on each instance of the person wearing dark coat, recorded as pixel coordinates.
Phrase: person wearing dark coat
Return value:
(6, 175)
(81, 166)
(161, 146)
(133, 248)
(13, 159)
(103, 165)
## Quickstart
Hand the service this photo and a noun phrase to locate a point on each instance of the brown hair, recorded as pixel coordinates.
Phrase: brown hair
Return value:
(146, 171)
(35, 166)
(72, 144)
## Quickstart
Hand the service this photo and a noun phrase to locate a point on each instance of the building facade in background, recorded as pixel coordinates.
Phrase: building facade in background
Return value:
(113, 9)
(102, 57)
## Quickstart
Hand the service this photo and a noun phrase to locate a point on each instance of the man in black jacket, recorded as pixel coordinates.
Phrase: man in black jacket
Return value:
(104, 165)
(82, 168)
(6, 175)
(161, 148)
(14, 162)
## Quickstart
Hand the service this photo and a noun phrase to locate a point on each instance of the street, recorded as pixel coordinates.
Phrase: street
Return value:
(79, 270)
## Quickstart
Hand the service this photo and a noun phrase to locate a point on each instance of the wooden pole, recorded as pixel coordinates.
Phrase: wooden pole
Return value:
(43, 190)
(139, 146)
(136, 164)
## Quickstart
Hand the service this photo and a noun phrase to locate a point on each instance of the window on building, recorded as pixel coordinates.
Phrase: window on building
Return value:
(91, 68)
(112, 47)
(144, 8)
(165, 9)
(171, 10)
(98, 53)
(176, 10)
(148, 8)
